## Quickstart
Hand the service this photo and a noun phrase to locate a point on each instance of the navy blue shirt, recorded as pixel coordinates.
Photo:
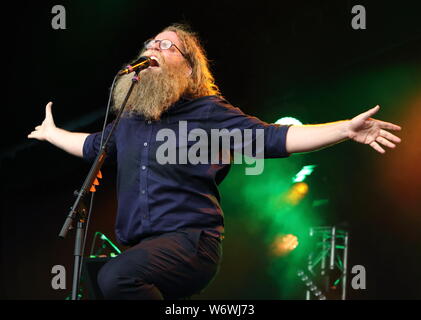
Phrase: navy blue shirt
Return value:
(156, 198)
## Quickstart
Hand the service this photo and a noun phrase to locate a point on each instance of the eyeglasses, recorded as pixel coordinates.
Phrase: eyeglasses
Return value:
(163, 45)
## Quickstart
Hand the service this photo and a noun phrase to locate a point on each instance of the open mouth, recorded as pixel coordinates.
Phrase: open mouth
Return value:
(154, 62)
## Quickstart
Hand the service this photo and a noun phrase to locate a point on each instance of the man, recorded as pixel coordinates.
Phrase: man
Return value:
(169, 214)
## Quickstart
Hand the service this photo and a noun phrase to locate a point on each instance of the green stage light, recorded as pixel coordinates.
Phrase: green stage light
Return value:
(303, 173)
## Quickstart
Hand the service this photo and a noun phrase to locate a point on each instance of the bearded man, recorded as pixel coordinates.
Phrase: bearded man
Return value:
(170, 215)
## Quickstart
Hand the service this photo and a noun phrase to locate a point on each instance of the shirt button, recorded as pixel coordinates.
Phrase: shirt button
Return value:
(143, 167)
(149, 121)
(143, 191)
(145, 144)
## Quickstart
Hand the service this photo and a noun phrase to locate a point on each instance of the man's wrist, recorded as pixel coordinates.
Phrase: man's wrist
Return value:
(345, 132)
(51, 134)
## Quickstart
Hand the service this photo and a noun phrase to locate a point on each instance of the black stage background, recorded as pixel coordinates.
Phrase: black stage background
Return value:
(271, 59)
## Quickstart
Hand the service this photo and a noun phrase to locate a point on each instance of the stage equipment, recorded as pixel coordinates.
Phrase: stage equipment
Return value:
(326, 274)
(79, 212)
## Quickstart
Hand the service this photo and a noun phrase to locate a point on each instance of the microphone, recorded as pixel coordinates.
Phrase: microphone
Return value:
(140, 64)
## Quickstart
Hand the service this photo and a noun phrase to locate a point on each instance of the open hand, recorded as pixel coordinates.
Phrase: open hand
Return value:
(42, 131)
(364, 129)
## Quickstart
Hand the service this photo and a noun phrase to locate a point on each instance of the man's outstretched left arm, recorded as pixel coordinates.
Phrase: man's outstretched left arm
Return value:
(361, 128)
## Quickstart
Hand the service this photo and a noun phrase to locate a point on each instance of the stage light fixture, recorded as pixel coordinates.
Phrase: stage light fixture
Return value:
(289, 120)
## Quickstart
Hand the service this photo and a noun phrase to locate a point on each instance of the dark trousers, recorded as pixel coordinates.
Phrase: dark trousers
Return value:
(173, 265)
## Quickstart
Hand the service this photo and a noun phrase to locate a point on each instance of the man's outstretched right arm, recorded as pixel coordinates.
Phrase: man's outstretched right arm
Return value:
(71, 142)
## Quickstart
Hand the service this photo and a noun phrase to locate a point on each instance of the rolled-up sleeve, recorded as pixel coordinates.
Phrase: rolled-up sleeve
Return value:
(92, 144)
(223, 115)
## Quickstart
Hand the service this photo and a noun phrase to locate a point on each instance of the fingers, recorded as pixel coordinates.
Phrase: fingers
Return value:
(48, 113)
(389, 136)
(38, 133)
(382, 124)
(388, 125)
(386, 139)
(33, 135)
(376, 147)
(371, 112)
(385, 142)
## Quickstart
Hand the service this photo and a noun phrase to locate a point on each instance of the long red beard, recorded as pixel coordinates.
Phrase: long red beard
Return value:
(155, 92)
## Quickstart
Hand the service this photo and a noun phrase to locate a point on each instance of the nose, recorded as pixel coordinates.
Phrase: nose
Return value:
(155, 45)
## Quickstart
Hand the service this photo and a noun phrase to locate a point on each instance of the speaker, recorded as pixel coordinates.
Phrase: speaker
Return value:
(89, 283)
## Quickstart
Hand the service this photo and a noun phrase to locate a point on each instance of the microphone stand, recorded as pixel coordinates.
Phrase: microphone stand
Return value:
(78, 212)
